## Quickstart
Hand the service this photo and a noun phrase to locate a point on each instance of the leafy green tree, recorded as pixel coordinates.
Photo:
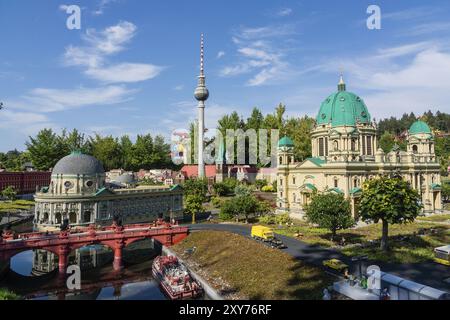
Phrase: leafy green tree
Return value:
(45, 149)
(74, 141)
(107, 150)
(221, 189)
(387, 141)
(446, 191)
(126, 145)
(142, 153)
(9, 193)
(391, 201)
(228, 210)
(242, 190)
(161, 153)
(194, 205)
(196, 186)
(299, 130)
(331, 211)
(443, 152)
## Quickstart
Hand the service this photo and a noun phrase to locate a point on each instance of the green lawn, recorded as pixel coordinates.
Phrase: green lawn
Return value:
(436, 218)
(410, 243)
(251, 270)
(8, 206)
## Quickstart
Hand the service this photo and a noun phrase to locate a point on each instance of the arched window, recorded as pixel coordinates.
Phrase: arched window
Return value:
(353, 145)
(281, 160)
(336, 182)
(58, 218)
(72, 217)
(415, 149)
(294, 197)
(355, 183)
(87, 216)
(335, 145)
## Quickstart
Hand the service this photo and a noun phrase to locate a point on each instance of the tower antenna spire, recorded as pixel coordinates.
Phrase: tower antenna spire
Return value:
(202, 56)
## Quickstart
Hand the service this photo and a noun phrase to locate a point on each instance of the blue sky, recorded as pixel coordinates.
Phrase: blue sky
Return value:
(132, 67)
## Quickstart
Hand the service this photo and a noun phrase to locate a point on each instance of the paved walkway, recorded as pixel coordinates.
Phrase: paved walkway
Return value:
(427, 273)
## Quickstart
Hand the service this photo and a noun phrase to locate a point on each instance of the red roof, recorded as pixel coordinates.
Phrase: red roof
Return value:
(190, 171)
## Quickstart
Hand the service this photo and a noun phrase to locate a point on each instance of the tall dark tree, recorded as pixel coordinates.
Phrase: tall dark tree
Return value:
(107, 150)
(45, 149)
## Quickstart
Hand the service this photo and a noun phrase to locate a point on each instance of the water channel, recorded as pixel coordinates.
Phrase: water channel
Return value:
(34, 275)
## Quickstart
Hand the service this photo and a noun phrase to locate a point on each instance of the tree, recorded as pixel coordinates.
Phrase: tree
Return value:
(331, 211)
(193, 205)
(299, 130)
(391, 201)
(161, 153)
(107, 150)
(126, 145)
(9, 193)
(74, 141)
(195, 195)
(387, 141)
(228, 210)
(446, 191)
(45, 149)
(221, 189)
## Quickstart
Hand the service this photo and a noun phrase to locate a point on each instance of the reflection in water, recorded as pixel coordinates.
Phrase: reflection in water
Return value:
(34, 274)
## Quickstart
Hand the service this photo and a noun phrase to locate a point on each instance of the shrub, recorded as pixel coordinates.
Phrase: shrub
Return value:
(268, 188)
(216, 202)
(268, 219)
(283, 218)
(228, 210)
(260, 184)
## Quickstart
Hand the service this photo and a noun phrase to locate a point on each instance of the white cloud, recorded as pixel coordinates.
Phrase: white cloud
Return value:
(259, 56)
(284, 12)
(104, 43)
(27, 123)
(178, 87)
(409, 78)
(125, 72)
(112, 39)
(102, 6)
(220, 54)
(52, 100)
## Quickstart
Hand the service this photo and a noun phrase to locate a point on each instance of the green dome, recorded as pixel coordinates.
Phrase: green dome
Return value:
(285, 142)
(419, 127)
(343, 108)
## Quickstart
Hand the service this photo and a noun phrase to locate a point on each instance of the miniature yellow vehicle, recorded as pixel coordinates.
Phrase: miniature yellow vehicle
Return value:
(266, 234)
(442, 255)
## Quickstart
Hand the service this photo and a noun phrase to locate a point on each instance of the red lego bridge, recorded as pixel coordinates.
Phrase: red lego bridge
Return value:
(115, 237)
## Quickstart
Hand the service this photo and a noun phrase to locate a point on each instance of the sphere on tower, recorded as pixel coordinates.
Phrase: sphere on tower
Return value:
(201, 93)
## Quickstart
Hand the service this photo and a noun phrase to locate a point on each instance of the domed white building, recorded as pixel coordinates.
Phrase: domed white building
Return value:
(78, 192)
(345, 153)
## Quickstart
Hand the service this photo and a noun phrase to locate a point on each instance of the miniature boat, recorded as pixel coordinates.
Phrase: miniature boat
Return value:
(174, 278)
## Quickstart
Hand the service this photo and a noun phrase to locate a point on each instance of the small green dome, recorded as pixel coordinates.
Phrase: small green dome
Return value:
(419, 127)
(285, 142)
(343, 108)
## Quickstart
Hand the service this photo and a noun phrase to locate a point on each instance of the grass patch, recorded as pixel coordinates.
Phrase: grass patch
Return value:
(436, 218)
(409, 243)
(8, 206)
(252, 270)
